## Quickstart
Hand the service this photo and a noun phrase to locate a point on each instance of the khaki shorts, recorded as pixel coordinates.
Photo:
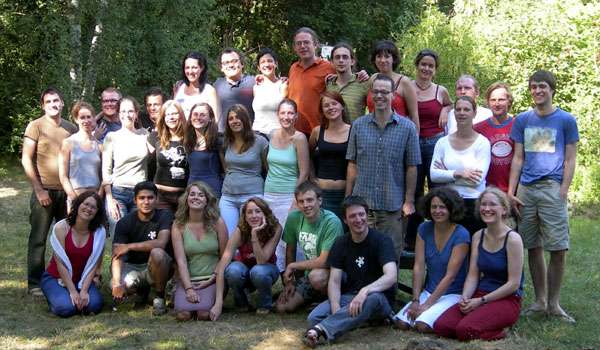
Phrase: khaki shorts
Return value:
(544, 218)
(140, 275)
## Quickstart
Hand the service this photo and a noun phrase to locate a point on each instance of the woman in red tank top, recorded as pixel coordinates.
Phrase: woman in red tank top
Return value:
(433, 104)
(77, 249)
(255, 238)
(386, 58)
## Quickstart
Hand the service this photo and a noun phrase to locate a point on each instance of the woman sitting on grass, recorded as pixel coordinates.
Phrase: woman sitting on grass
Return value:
(491, 298)
(255, 238)
(199, 237)
(77, 247)
(442, 245)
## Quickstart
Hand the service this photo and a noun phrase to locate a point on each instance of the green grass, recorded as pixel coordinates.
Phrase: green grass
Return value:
(25, 324)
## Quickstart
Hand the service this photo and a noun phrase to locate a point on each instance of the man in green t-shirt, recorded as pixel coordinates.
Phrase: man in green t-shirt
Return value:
(314, 230)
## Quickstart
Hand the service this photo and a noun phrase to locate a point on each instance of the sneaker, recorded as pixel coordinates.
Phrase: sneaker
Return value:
(36, 292)
(158, 307)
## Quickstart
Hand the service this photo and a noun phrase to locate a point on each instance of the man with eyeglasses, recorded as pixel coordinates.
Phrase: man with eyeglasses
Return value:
(235, 87)
(108, 119)
(381, 145)
(347, 84)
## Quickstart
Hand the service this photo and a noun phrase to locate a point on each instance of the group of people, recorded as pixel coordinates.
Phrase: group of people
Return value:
(236, 184)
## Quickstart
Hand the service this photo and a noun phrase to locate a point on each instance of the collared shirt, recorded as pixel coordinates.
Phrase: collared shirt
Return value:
(355, 96)
(380, 156)
(306, 87)
(229, 94)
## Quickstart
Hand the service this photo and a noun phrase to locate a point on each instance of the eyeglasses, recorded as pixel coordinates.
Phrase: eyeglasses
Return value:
(377, 92)
(226, 63)
(110, 101)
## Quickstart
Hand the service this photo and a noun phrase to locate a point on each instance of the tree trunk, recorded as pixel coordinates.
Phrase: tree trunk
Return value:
(75, 73)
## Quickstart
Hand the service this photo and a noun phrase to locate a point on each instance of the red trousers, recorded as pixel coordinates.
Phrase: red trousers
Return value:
(487, 322)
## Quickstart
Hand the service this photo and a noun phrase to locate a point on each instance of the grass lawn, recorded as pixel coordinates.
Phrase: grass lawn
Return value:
(25, 324)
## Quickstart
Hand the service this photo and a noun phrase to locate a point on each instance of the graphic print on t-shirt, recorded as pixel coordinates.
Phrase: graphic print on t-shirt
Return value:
(360, 261)
(177, 160)
(308, 244)
(540, 139)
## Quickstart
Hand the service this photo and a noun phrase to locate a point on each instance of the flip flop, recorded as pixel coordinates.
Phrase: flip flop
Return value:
(312, 339)
(565, 318)
(529, 312)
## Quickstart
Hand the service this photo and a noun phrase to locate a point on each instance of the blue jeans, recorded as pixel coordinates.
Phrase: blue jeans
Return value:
(231, 205)
(261, 277)
(60, 301)
(375, 307)
(40, 220)
(123, 196)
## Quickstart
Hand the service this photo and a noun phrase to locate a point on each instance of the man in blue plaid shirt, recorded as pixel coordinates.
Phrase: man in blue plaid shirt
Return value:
(383, 154)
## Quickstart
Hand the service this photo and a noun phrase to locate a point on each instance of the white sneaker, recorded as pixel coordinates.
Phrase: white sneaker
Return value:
(158, 307)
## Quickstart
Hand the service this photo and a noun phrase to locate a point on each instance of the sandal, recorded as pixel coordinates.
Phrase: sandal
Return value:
(564, 317)
(312, 339)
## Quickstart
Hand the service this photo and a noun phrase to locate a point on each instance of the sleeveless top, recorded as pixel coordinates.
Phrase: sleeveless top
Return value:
(265, 105)
(283, 169)
(331, 158)
(188, 101)
(206, 166)
(494, 267)
(245, 255)
(398, 103)
(84, 166)
(202, 256)
(429, 115)
(78, 257)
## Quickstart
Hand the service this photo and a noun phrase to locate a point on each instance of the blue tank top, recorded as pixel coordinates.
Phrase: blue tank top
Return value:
(84, 167)
(494, 267)
(206, 166)
(283, 170)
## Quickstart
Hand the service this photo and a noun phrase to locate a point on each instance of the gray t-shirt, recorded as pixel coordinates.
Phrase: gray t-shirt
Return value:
(230, 94)
(243, 172)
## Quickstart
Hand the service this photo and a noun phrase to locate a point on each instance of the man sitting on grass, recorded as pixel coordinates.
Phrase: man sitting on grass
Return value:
(368, 259)
(142, 251)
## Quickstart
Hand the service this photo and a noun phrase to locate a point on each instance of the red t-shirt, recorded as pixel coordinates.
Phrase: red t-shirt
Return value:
(78, 257)
(503, 148)
(245, 255)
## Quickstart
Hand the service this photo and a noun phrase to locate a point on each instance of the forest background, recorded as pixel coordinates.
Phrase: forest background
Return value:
(84, 46)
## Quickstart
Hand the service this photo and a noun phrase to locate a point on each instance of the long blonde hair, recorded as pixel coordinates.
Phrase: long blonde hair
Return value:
(164, 133)
(211, 211)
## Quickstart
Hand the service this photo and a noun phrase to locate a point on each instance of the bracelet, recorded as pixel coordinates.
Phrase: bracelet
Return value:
(189, 288)
(483, 299)
(417, 300)
(116, 286)
(214, 273)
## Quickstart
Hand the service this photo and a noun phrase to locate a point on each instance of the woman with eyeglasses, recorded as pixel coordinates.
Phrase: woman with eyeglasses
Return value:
(193, 87)
(124, 162)
(172, 169)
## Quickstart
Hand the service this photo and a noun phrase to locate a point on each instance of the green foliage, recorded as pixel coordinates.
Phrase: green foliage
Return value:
(500, 41)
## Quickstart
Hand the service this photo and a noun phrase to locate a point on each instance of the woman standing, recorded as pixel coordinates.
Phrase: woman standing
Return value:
(124, 162)
(442, 246)
(195, 88)
(79, 160)
(244, 157)
(77, 249)
(328, 144)
(171, 158)
(491, 297)
(268, 91)
(288, 167)
(199, 237)
(203, 145)
(386, 58)
(253, 267)
(462, 160)
(433, 103)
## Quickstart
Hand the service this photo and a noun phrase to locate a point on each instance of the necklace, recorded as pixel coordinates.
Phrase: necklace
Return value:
(425, 88)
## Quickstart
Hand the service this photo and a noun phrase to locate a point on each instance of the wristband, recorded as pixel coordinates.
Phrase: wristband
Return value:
(189, 288)
(417, 300)
(483, 299)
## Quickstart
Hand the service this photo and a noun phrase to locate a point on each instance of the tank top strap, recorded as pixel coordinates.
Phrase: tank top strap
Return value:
(506, 238)
(398, 82)
(321, 134)
(436, 91)
(481, 239)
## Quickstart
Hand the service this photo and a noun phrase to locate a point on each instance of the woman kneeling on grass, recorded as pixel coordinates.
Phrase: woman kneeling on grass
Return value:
(442, 245)
(77, 247)
(491, 298)
(199, 237)
(255, 239)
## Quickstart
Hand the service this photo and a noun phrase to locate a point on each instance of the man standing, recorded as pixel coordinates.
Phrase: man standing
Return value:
(368, 260)
(307, 79)
(467, 85)
(354, 92)
(315, 230)
(154, 99)
(497, 130)
(381, 144)
(41, 145)
(234, 88)
(108, 119)
(142, 253)
(542, 167)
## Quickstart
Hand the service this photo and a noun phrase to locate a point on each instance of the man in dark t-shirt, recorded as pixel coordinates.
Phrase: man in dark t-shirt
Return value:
(142, 252)
(368, 259)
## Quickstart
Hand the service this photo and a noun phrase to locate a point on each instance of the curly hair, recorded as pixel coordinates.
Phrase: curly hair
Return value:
(79, 105)
(202, 80)
(211, 210)
(164, 133)
(451, 199)
(248, 136)
(334, 96)
(265, 234)
(98, 219)
(502, 198)
(211, 134)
